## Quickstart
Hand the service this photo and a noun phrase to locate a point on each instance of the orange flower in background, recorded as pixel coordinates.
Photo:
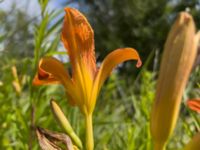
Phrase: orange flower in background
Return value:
(82, 88)
(194, 104)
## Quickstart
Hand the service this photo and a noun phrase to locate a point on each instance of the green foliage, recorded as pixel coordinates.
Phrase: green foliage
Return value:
(23, 111)
(16, 35)
(143, 25)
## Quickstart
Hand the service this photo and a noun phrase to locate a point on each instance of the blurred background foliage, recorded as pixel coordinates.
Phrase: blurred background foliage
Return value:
(121, 119)
(143, 25)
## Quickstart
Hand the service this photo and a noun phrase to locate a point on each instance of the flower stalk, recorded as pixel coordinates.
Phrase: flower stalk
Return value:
(89, 132)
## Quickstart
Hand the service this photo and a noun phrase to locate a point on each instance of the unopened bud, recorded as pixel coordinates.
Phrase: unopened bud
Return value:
(179, 54)
(16, 83)
(65, 123)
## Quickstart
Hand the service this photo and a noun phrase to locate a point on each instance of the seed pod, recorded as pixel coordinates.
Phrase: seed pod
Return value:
(179, 54)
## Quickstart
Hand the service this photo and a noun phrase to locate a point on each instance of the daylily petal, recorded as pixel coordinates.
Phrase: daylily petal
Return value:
(112, 60)
(51, 71)
(194, 104)
(78, 38)
(44, 78)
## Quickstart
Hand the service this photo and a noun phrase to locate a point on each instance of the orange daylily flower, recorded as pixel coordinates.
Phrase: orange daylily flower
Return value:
(83, 85)
(194, 104)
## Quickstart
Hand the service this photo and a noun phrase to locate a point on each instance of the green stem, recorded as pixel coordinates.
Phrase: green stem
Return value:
(89, 132)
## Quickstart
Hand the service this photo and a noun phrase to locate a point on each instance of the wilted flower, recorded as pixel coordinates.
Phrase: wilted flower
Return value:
(49, 140)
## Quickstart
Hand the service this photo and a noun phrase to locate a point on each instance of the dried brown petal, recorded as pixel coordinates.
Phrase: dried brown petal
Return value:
(49, 140)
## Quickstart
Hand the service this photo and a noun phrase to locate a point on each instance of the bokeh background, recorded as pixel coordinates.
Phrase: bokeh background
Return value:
(30, 29)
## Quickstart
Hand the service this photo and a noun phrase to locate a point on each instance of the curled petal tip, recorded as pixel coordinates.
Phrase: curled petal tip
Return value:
(139, 63)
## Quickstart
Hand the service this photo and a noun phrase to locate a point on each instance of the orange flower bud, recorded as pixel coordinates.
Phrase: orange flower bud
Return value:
(179, 54)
